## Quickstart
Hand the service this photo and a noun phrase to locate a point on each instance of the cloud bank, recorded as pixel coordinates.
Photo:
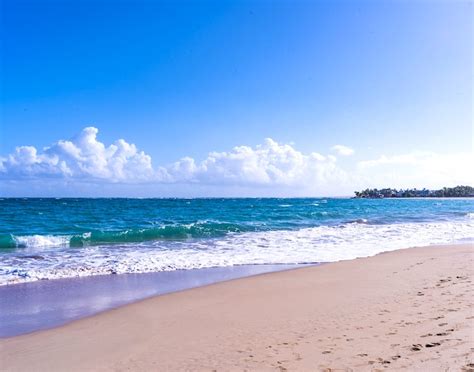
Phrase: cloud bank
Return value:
(270, 163)
(419, 169)
(273, 168)
(85, 158)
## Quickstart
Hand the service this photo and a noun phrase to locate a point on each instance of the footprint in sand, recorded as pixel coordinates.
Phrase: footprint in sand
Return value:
(416, 347)
(468, 367)
(383, 361)
(432, 344)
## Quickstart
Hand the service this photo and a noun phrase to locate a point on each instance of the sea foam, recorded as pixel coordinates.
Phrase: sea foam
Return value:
(307, 245)
(42, 241)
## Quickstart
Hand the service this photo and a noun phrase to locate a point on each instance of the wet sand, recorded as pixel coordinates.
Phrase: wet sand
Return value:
(29, 307)
(408, 310)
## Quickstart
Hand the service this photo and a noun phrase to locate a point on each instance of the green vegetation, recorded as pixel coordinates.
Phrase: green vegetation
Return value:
(445, 192)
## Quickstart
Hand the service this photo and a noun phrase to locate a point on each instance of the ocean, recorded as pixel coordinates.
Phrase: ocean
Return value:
(63, 238)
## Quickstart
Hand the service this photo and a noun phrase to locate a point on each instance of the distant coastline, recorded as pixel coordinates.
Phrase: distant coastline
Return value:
(445, 192)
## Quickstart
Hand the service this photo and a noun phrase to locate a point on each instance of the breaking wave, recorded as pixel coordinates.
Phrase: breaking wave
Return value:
(316, 244)
(170, 232)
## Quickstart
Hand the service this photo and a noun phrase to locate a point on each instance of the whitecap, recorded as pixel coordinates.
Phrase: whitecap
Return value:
(315, 244)
(42, 240)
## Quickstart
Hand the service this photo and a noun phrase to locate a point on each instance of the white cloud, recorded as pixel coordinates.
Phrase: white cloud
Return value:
(268, 169)
(342, 150)
(85, 158)
(418, 169)
(82, 157)
(268, 164)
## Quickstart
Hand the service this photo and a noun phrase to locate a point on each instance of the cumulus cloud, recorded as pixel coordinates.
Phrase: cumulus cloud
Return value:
(270, 163)
(82, 157)
(85, 158)
(270, 168)
(342, 150)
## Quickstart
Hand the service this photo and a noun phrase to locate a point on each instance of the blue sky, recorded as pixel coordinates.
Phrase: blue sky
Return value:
(391, 80)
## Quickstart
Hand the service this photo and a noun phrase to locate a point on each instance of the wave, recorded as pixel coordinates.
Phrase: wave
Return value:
(315, 244)
(169, 232)
(175, 232)
(12, 241)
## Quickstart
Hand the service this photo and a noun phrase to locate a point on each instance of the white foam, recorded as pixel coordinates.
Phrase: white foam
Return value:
(42, 240)
(317, 244)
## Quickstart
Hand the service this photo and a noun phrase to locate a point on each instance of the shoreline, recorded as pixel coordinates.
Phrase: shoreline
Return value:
(364, 313)
(57, 302)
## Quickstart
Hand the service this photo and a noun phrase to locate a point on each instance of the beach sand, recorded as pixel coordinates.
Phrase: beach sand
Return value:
(404, 310)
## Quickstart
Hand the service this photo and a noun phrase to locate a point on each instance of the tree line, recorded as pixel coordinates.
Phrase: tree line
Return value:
(445, 192)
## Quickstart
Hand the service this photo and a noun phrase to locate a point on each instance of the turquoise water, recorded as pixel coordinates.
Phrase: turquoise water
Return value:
(52, 238)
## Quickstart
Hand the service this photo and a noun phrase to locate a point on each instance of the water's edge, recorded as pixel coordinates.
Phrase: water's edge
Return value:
(34, 306)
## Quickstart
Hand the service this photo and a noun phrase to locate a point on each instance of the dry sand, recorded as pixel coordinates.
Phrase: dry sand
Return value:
(410, 309)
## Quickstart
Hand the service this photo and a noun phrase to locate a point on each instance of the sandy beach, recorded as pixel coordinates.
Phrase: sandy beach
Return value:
(410, 309)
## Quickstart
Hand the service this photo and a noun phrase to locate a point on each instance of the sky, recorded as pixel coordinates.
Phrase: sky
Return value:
(234, 98)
